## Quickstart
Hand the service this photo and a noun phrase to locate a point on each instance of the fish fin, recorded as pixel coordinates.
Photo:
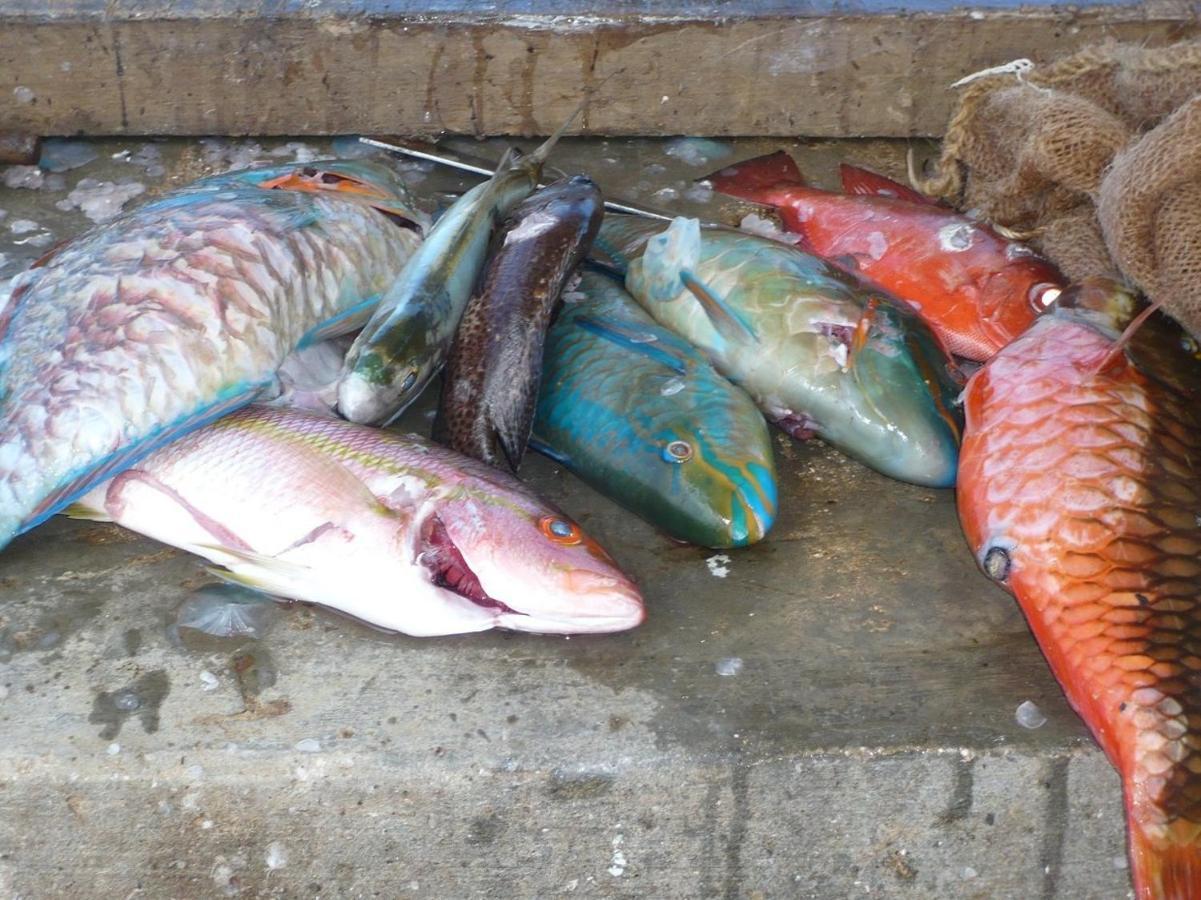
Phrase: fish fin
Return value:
(272, 570)
(604, 268)
(79, 510)
(864, 182)
(1168, 868)
(626, 338)
(126, 457)
(550, 452)
(350, 319)
(540, 155)
(1116, 351)
(725, 320)
(754, 179)
(862, 330)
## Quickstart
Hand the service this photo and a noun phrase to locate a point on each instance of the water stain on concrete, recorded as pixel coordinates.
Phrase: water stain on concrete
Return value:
(572, 786)
(141, 699)
(75, 610)
(484, 830)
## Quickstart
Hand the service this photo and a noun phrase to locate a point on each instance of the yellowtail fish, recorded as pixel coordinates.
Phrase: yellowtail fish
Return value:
(390, 529)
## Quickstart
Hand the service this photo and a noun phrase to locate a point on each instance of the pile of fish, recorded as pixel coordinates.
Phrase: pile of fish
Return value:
(191, 371)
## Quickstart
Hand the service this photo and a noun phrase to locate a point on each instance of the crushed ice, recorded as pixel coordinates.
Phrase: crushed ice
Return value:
(719, 565)
(226, 157)
(694, 151)
(208, 681)
(1029, 715)
(29, 177)
(100, 200)
(277, 855)
(308, 745)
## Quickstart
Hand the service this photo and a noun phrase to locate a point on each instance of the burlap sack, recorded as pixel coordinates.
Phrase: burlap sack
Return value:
(1099, 156)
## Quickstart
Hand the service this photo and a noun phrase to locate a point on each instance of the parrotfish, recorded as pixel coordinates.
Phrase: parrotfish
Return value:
(641, 415)
(820, 352)
(390, 529)
(491, 383)
(1079, 492)
(136, 332)
(976, 289)
(406, 341)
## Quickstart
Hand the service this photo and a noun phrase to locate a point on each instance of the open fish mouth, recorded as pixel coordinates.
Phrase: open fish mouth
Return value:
(448, 569)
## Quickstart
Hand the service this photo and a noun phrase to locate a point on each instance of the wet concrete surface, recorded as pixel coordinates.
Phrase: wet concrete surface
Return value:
(831, 713)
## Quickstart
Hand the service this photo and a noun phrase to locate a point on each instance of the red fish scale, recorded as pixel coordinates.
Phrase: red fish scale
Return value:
(1087, 481)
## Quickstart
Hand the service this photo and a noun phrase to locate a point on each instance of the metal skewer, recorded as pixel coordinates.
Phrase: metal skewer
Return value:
(481, 167)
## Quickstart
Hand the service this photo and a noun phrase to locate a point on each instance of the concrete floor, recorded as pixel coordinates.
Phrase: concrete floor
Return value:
(834, 717)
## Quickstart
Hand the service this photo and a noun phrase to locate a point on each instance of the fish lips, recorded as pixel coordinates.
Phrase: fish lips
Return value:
(527, 588)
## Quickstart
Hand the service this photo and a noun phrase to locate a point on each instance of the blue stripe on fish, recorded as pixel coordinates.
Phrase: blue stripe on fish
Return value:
(80, 483)
(627, 339)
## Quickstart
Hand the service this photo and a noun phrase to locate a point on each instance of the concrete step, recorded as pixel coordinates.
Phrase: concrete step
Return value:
(835, 717)
(722, 67)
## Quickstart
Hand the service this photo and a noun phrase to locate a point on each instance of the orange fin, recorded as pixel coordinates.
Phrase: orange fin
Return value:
(1164, 870)
(862, 329)
(872, 184)
(753, 179)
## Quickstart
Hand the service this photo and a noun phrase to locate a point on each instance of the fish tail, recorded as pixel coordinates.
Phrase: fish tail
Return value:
(756, 179)
(1165, 869)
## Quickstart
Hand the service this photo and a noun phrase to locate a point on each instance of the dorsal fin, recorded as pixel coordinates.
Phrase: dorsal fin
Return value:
(864, 182)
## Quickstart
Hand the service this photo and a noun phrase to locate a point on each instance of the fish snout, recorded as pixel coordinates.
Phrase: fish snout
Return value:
(601, 596)
(361, 401)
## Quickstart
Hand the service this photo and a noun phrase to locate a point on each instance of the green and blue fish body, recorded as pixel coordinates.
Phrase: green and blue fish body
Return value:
(641, 415)
(820, 352)
(139, 331)
(408, 337)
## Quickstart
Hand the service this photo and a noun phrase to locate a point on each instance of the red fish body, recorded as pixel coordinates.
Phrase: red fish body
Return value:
(1080, 492)
(977, 290)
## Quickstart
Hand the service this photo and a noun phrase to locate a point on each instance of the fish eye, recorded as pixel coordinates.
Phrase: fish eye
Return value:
(410, 380)
(997, 563)
(1043, 295)
(677, 452)
(560, 530)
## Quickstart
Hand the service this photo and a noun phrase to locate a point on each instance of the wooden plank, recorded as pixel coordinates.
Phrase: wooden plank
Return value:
(821, 68)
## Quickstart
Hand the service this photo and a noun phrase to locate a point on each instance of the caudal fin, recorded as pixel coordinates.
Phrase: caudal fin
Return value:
(872, 184)
(754, 179)
(1165, 869)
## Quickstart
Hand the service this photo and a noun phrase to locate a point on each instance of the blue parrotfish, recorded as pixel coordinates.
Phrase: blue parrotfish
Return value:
(641, 415)
(138, 331)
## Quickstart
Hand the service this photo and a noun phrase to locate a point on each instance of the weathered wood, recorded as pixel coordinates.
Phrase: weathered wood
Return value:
(720, 68)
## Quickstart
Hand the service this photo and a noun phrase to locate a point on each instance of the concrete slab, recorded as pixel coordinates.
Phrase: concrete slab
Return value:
(735, 67)
(834, 717)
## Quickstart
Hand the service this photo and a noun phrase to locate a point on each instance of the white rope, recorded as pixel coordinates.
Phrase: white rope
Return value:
(1019, 68)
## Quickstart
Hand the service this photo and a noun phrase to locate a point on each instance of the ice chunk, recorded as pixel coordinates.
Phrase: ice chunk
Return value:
(227, 611)
(23, 94)
(62, 156)
(728, 667)
(695, 151)
(100, 200)
(302, 153)
(308, 745)
(30, 177)
(756, 224)
(348, 146)
(1029, 715)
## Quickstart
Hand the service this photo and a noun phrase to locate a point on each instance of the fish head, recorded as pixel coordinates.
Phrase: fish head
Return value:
(908, 389)
(366, 182)
(532, 566)
(1014, 295)
(380, 382)
(717, 475)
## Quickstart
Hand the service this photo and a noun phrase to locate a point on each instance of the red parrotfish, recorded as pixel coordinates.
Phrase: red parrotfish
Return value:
(1080, 493)
(976, 289)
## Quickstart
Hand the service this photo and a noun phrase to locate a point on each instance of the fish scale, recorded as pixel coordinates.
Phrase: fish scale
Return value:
(169, 316)
(1082, 485)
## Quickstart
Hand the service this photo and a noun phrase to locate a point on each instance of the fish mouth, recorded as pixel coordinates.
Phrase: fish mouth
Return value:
(449, 570)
